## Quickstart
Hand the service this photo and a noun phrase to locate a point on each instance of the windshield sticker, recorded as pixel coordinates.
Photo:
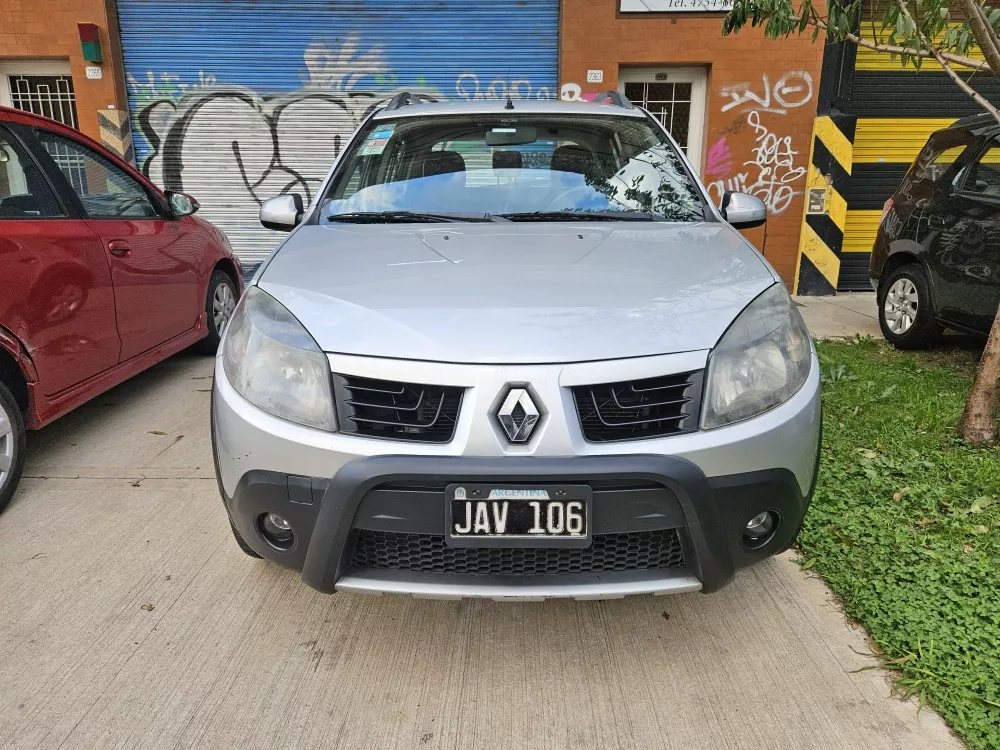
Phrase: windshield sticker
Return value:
(376, 141)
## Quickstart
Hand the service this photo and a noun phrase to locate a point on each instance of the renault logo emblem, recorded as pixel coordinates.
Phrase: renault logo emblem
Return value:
(518, 415)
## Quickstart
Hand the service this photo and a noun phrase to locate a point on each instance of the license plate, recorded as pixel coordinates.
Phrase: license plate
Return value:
(518, 516)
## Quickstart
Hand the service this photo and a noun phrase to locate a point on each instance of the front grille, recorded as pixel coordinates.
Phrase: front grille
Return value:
(400, 411)
(638, 409)
(428, 553)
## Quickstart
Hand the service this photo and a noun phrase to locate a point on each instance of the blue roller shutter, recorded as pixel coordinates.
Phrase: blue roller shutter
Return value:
(235, 101)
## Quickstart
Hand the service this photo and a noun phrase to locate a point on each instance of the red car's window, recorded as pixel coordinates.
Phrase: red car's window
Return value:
(24, 194)
(105, 190)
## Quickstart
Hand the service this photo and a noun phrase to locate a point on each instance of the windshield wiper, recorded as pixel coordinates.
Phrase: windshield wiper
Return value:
(582, 216)
(404, 217)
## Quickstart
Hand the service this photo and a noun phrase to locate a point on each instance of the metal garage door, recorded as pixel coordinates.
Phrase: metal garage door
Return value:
(234, 101)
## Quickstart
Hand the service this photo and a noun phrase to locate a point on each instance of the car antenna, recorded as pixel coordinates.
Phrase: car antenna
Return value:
(506, 85)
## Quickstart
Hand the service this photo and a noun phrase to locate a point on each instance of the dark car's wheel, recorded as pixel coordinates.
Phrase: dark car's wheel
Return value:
(242, 542)
(906, 311)
(219, 308)
(12, 445)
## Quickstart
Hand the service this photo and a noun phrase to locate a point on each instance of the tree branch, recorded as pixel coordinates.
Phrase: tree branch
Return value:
(893, 49)
(983, 34)
(939, 56)
(964, 85)
(990, 32)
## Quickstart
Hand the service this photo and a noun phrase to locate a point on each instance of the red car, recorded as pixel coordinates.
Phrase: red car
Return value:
(102, 275)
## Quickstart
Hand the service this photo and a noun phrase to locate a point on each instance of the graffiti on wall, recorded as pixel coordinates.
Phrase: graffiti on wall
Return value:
(467, 87)
(794, 89)
(233, 147)
(774, 169)
(573, 92)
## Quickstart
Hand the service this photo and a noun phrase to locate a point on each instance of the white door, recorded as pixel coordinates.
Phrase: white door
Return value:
(676, 97)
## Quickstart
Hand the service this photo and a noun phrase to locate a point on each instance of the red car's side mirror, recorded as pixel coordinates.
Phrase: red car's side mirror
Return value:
(182, 204)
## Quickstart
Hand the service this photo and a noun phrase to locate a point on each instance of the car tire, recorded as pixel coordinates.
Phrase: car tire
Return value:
(906, 311)
(219, 306)
(13, 444)
(242, 542)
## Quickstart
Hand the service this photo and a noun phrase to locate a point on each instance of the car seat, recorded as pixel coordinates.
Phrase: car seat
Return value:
(571, 159)
(507, 160)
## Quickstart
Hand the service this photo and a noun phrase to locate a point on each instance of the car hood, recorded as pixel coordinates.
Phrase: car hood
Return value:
(515, 293)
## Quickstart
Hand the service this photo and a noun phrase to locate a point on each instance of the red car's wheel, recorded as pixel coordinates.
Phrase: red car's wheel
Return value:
(12, 445)
(222, 299)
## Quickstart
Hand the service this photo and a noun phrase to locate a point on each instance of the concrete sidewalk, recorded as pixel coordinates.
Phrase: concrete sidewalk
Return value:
(129, 618)
(842, 316)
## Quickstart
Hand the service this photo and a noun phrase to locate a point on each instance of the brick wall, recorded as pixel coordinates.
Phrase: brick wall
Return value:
(772, 132)
(46, 29)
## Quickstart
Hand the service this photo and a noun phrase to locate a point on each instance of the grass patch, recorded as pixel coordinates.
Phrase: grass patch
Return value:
(905, 525)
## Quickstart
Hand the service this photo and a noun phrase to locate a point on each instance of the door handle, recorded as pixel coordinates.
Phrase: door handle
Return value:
(119, 248)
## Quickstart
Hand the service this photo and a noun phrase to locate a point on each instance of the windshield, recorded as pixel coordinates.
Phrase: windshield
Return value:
(520, 167)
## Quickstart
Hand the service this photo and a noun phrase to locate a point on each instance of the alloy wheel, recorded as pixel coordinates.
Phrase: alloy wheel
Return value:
(223, 304)
(6, 445)
(900, 307)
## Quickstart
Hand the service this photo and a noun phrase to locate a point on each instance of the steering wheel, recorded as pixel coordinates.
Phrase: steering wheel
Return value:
(559, 202)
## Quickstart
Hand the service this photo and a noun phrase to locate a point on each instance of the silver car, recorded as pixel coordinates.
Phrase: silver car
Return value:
(512, 350)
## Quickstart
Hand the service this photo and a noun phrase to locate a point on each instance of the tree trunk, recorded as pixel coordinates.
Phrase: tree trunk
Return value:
(978, 424)
(982, 34)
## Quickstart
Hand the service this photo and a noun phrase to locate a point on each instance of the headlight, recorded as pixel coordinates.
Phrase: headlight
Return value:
(273, 362)
(761, 361)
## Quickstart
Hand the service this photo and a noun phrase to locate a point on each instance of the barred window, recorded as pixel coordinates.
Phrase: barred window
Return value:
(49, 96)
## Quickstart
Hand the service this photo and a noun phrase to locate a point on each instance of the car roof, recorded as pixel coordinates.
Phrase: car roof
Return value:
(979, 124)
(498, 106)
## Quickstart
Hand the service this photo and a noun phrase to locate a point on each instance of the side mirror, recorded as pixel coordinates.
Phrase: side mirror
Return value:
(743, 211)
(282, 212)
(182, 204)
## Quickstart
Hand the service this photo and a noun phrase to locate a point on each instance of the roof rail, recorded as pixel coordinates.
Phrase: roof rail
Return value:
(404, 98)
(613, 97)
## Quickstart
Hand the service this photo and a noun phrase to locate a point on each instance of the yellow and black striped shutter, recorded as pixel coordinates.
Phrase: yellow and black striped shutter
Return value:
(884, 114)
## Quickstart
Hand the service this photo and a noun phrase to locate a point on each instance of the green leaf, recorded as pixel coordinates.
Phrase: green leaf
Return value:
(981, 503)
(888, 392)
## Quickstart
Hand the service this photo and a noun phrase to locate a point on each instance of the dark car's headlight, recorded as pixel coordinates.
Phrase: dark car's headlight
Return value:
(273, 362)
(760, 362)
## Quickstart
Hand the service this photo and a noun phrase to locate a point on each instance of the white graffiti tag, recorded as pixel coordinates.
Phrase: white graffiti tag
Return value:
(342, 68)
(467, 87)
(571, 92)
(794, 89)
(892, 225)
(773, 171)
(232, 149)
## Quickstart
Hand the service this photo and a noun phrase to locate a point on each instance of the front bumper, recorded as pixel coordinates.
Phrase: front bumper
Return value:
(671, 490)
(404, 496)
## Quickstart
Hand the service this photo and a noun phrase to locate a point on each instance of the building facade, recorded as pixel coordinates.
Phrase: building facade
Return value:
(741, 106)
(237, 100)
(62, 59)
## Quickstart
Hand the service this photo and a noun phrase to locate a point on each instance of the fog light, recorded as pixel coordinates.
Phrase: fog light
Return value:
(759, 529)
(276, 530)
